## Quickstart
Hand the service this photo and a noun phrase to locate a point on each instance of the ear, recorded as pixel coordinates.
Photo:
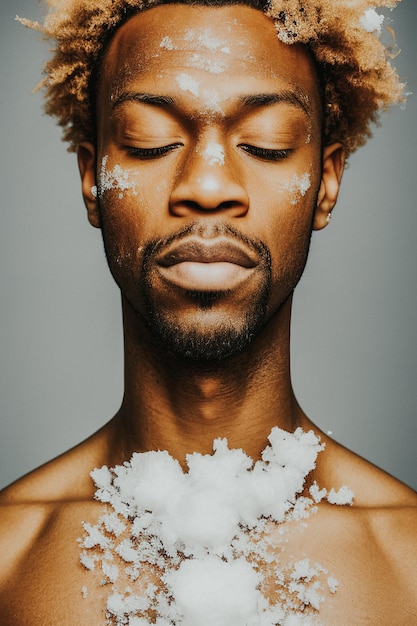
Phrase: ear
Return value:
(87, 165)
(333, 166)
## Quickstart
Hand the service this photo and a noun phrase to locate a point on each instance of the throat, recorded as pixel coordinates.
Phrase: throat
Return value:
(182, 405)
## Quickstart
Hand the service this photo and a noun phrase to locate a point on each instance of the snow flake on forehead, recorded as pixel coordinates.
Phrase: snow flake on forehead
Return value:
(298, 186)
(117, 178)
(202, 40)
(212, 101)
(202, 62)
(214, 154)
(206, 40)
(167, 43)
(210, 97)
(188, 83)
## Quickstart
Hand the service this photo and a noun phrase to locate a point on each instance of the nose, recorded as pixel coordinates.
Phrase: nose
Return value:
(208, 182)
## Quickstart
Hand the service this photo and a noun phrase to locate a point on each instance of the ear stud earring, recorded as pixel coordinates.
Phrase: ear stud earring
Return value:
(329, 217)
(94, 191)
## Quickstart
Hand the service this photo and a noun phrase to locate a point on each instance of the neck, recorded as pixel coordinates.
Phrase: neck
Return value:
(181, 407)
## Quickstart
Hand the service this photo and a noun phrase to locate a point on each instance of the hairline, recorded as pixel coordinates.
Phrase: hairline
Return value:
(98, 66)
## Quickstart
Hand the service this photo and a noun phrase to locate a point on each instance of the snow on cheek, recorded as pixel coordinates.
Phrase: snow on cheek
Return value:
(117, 178)
(333, 584)
(297, 186)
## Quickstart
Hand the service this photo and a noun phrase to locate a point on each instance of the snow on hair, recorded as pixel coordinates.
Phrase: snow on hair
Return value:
(343, 35)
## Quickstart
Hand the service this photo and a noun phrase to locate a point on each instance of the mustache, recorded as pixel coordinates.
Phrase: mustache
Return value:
(208, 231)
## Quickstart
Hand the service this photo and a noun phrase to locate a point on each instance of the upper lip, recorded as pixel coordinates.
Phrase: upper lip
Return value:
(206, 251)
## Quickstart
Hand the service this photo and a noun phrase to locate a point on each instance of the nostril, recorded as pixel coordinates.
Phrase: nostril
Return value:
(233, 208)
(228, 204)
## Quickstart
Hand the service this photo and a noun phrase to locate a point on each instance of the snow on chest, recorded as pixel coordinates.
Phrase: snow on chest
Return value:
(205, 547)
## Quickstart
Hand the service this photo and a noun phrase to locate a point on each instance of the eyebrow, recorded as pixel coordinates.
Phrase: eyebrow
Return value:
(290, 97)
(293, 98)
(148, 98)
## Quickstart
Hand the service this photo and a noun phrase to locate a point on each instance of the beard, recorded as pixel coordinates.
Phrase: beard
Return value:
(208, 345)
(214, 337)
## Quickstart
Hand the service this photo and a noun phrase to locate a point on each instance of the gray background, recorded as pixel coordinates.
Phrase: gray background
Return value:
(354, 339)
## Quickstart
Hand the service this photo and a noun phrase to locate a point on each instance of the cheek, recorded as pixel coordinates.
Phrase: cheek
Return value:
(144, 185)
(131, 202)
(296, 200)
(294, 189)
(286, 202)
(116, 179)
(122, 234)
(129, 219)
(287, 217)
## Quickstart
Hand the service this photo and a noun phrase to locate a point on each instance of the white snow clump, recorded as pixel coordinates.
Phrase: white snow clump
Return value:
(194, 548)
(371, 21)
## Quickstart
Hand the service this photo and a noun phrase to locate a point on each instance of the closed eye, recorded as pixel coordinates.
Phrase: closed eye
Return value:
(151, 153)
(266, 154)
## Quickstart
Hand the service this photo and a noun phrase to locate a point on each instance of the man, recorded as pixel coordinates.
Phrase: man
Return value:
(209, 148)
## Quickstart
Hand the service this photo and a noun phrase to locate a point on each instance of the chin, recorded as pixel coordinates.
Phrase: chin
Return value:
(210, 339)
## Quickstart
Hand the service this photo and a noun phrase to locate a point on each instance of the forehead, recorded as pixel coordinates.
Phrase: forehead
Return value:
(216, 44)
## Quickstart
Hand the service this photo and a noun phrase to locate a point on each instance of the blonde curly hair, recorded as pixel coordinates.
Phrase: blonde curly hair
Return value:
(354, 66)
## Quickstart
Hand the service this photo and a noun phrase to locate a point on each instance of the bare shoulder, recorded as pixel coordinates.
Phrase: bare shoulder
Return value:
(395, 531)
(64, 478)
(373, 488)
(30, 506)
(41, 519)
(39, 548)
(375, 538)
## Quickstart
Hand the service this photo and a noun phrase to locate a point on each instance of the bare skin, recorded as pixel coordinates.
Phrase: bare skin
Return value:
(225, 157)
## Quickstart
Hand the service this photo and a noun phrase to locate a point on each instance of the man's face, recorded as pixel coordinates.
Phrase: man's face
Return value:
(208, 170)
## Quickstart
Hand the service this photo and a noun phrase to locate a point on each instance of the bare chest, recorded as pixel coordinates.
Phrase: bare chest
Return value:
(334, 579)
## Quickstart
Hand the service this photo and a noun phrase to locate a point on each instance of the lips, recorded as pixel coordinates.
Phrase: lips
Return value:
(197, 264)
(203, 251)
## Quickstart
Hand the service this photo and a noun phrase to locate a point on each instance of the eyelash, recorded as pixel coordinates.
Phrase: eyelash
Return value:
(266, 153)
(152, 153)
(262, 153)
